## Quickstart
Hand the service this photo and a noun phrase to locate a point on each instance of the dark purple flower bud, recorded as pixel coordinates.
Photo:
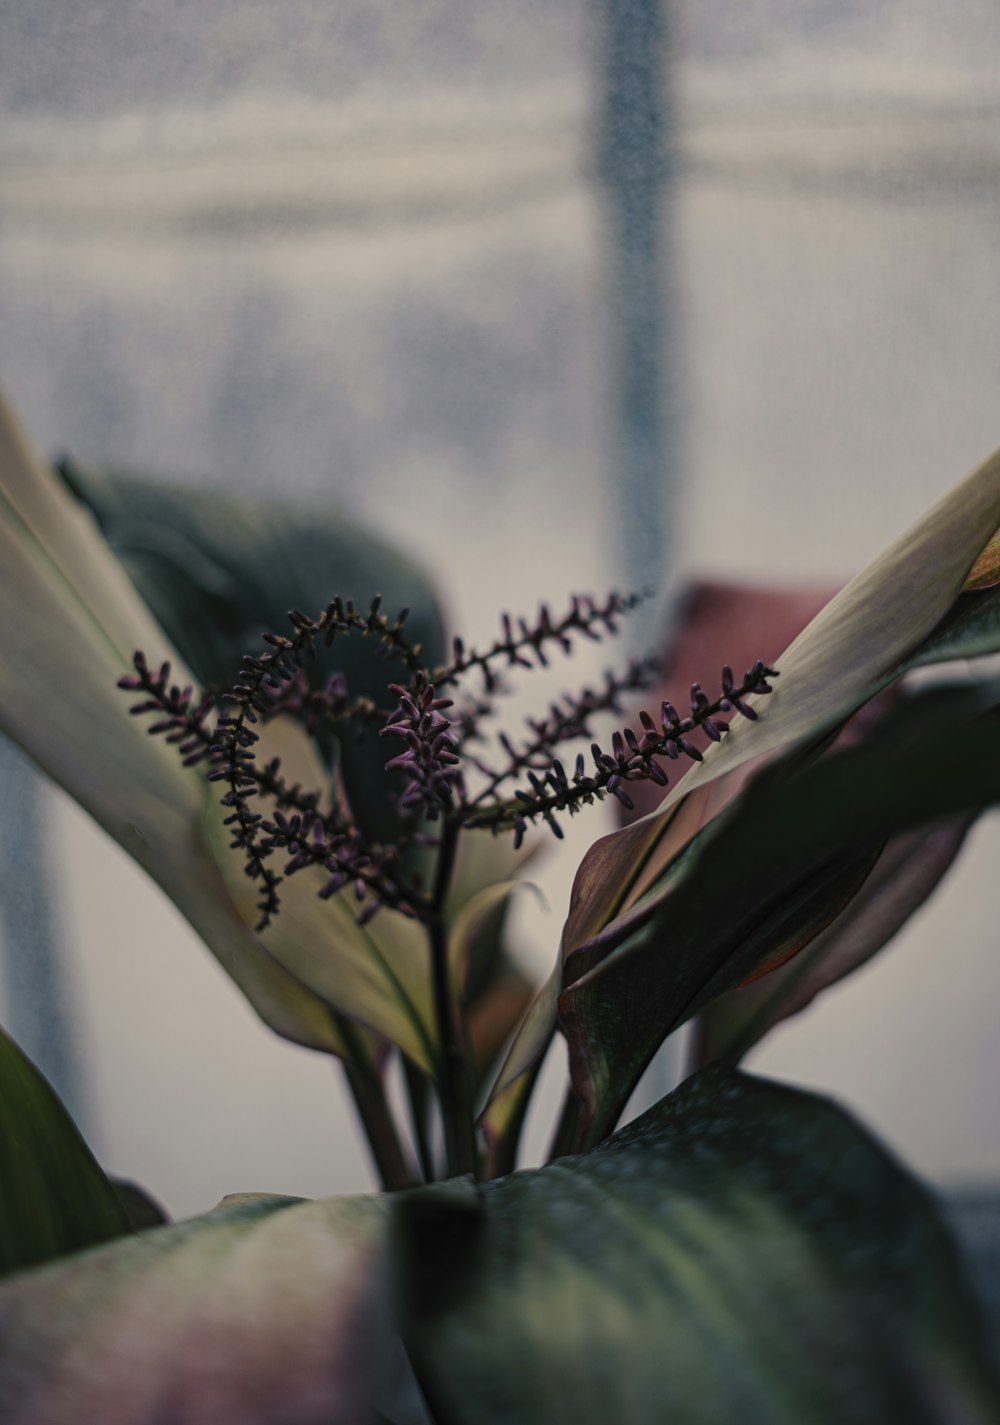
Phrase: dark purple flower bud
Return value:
(402, 761)
(670, 715)
(394, 729)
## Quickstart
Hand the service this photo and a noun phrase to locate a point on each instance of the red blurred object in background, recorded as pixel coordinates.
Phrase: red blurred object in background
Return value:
(716, 624)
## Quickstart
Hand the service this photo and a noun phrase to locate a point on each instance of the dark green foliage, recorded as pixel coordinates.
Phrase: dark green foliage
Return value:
(54, 1198)
(754, 885)
(218, 570)
(743, 1252)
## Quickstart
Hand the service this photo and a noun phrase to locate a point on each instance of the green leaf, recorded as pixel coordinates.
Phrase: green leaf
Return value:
(491, 1019)
(218, 570)
(907, 872)
(743, 1252)
(851, 649)
(474, 935)
(54, 1198)
(503, 1117)
(970, 629)
(266, 1309)
(751, 885)
(141, 1209)
(72, 621)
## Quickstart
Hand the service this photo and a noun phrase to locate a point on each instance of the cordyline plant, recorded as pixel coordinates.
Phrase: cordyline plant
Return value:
(330, 805)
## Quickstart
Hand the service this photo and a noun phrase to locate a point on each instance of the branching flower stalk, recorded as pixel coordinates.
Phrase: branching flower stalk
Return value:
(447, 790)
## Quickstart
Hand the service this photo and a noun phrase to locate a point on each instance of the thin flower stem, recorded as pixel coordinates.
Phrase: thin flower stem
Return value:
(386, 1149)
(419, 1097)
(519, 639)
(453, 1087)
(368, 1093)
(632, 758)
(567, 723)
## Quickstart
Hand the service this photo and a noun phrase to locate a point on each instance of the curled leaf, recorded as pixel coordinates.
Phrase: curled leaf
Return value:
(850, 650)
(767, 875)
(906, 874)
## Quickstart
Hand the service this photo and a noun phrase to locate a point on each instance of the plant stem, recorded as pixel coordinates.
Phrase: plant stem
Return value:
(453, 1087)
(368, 1092)
(383, 1140)
(418, 1090)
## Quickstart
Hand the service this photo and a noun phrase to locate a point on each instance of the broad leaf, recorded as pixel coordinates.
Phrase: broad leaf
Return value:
(54, 1198)
(266, 1309)
(970, 629)
(71, 623)
(837, 663)
(907, 872)
(751, 885)
(742, 1252)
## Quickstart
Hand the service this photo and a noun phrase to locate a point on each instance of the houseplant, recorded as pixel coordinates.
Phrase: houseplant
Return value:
(743, 1251)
